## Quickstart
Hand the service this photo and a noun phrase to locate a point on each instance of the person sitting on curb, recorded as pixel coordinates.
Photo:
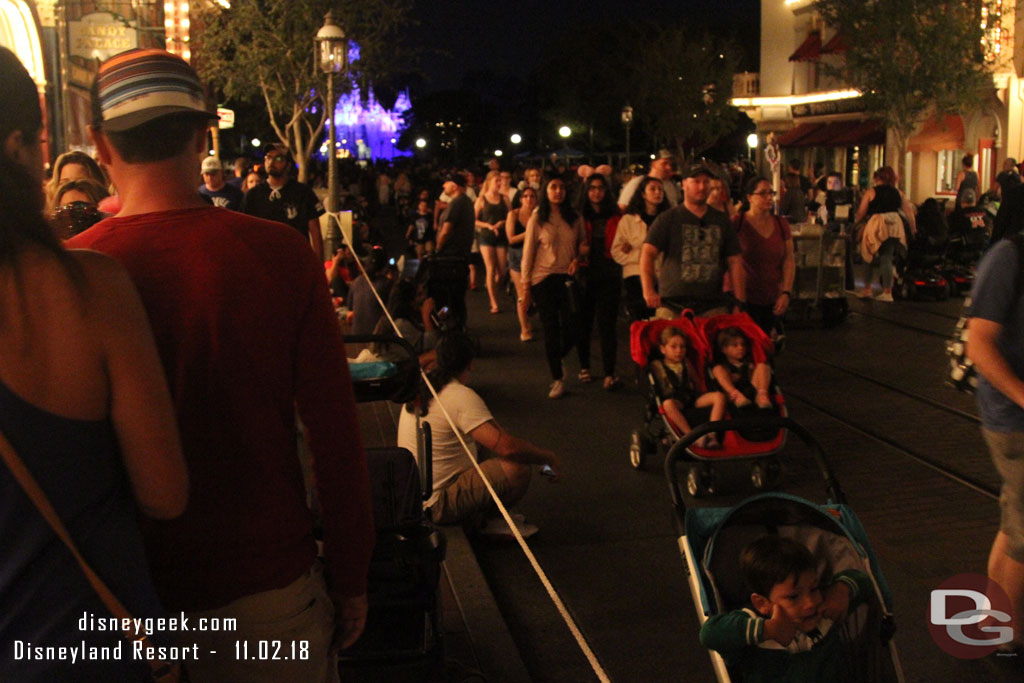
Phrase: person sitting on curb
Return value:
(459, 494)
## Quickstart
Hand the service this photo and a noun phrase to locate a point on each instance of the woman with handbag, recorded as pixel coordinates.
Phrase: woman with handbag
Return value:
(89, 437)
(766, 242)
(555, 240)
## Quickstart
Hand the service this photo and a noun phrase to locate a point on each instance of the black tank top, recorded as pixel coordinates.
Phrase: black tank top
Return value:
(887, 198)
(492, 213)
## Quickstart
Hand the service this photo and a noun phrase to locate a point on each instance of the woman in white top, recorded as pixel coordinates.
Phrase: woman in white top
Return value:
(555, 239)
(647, 202)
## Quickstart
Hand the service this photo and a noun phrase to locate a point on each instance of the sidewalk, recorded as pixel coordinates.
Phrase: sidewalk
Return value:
(477, 644)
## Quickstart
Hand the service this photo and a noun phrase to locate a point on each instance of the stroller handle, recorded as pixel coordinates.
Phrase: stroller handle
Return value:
(678, 452)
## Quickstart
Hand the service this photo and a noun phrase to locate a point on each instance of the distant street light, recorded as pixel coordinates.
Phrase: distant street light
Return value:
(627, 121)
(256, 142)
(498, 152)
(332, 56)
(421, 143)
(565, 131)
(516, 138)
(751, 145)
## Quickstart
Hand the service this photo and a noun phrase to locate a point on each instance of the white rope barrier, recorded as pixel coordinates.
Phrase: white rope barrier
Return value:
(541, 574)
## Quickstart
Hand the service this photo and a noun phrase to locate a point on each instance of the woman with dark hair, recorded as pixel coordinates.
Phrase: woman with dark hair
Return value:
(523, 205)
(601, 278)
(966, 179)
(766, 242)
(95, 426)
(883, 198)
(459, 493)
(555, 240)
(647, 202)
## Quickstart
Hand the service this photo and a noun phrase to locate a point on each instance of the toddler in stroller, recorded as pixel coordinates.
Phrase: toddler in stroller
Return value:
(745, 381)
(677, 387)
(787, 631)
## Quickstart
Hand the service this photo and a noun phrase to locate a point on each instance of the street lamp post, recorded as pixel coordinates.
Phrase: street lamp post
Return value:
(627, 121)
(332, 55)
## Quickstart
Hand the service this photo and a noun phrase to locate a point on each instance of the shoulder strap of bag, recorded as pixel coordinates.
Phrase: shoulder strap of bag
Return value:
(160, 670)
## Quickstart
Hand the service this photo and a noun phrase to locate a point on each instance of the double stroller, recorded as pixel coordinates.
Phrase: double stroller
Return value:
(711, 540)
(657, 434)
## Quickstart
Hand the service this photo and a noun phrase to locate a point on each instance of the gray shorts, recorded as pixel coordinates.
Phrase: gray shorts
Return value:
(1007, 450)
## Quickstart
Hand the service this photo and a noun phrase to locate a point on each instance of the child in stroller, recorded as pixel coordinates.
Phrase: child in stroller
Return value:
(787, 631)
(677, 387)
(745, 381)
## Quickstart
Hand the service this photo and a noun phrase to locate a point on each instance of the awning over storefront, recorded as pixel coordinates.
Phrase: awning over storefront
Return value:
(792, 137)
(835, 134)
(809, 50)
(834, 45)
(938, 134)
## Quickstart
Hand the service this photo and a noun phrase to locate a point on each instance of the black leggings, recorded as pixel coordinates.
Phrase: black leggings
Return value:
(557, 318)
(601, 300)
(635, 304)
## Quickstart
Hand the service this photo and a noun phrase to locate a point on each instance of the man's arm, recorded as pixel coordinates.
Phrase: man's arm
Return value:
(494, 438)
(648, 253)
(982, 335)
(443, 234)
(316, 239)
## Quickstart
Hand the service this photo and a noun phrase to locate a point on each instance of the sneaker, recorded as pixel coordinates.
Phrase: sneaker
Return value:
(585, 376)
(865, 293)
(884, 296)
(498, 529)
(557, 389)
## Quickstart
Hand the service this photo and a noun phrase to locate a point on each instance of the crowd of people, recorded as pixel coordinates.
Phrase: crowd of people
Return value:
(183, 400)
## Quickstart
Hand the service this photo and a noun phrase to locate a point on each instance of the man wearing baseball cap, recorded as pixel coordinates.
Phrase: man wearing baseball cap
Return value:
(662, 168)
(247, 335)
(216, 189)
(699, 246)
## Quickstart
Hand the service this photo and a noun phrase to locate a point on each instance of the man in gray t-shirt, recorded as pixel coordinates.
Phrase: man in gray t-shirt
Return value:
(995, 343)
(698, 245)
(458, 221)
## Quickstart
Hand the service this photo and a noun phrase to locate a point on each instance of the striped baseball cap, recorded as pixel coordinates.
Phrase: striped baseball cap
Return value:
(137, 86)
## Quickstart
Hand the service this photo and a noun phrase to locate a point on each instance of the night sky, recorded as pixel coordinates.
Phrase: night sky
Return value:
(508, 38)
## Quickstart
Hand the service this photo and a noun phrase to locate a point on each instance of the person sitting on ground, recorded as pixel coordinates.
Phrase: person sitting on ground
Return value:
(738, 376)
(459, 495)
(677, 389)
(789, 630)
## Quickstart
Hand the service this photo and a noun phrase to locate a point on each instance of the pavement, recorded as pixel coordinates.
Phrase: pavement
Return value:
(871, 392)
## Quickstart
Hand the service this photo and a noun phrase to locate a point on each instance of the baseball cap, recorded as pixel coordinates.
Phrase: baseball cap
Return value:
(698, 169)
(664, 154)
(212, 165)
(457, 178)
(137, 86)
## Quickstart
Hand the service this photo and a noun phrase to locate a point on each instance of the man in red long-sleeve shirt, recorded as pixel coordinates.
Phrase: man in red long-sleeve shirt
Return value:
(245, 328)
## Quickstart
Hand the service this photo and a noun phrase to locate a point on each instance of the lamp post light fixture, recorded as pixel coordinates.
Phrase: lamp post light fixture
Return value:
(498, 152)
(332, 56)
(565, 131)
(751, 145)
(516, 138)
(627, 121)
(420, 143)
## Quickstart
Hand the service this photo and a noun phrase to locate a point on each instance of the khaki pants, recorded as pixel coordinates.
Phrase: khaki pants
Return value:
(282, 636)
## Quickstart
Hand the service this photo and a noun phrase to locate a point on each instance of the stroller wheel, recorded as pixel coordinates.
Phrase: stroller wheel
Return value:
(700, 481)
(637, 450)
(765, 474)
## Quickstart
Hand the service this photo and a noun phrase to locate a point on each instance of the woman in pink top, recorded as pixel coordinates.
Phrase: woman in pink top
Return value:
(555, 239)
(767, 244)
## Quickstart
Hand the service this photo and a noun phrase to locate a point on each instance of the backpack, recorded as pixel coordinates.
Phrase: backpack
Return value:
(962, 374)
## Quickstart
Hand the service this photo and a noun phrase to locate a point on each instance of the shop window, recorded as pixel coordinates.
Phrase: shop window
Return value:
(946, 168)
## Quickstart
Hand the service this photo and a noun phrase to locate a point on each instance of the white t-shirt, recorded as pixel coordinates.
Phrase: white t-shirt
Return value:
(449, 459)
